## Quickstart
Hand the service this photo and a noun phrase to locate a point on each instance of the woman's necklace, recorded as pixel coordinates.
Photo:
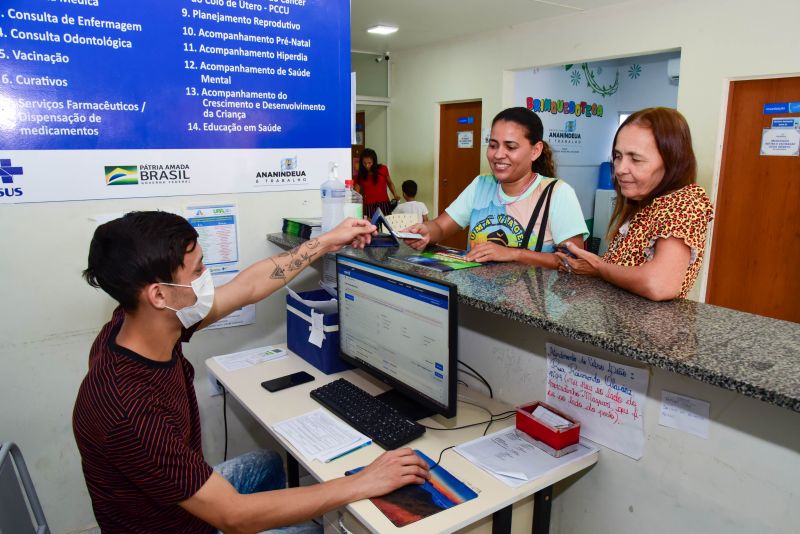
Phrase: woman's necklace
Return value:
(511, 200)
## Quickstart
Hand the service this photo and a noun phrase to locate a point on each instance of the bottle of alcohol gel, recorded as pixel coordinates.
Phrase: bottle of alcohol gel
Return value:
(353, 202)
(332, 193)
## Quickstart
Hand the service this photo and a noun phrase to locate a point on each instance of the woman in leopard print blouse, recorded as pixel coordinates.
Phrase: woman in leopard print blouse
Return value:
(658, 228)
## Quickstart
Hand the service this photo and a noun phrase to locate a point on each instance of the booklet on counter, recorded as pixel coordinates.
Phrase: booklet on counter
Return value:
(440, 258)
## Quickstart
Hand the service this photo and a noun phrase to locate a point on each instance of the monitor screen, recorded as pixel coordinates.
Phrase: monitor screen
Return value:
(401, 328)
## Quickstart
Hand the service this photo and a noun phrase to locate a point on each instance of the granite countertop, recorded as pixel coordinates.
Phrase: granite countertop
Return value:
(756, 356)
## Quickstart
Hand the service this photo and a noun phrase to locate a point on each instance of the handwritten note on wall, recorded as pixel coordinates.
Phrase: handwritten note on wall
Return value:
(606, 397)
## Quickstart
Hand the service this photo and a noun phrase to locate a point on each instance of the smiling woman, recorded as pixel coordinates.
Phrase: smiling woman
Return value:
(520, 212)
(657, 233)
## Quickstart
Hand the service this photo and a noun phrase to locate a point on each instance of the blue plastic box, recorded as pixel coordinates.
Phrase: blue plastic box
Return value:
(298, 327)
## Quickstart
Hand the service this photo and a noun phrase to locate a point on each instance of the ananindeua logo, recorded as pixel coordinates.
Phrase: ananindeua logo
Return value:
(122, 175)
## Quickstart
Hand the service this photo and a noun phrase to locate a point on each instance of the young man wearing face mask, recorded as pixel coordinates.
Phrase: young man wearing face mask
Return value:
(136, 420)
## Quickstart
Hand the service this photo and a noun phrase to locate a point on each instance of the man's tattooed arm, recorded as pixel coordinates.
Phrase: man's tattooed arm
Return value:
(288, 264)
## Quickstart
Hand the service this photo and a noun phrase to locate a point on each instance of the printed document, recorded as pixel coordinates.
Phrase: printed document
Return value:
(249, 358)
(320, 436)
(510, 456)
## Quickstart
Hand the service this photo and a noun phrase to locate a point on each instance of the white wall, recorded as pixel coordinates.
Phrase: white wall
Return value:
(641, 81)
(49, 317)
(376, 128)
(718, 39)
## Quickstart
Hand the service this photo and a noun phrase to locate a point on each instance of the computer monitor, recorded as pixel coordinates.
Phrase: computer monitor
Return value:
(401, 328)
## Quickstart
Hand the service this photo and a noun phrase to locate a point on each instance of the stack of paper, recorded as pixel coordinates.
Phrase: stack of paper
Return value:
(509, 456)
(248, 358)
(320, 436)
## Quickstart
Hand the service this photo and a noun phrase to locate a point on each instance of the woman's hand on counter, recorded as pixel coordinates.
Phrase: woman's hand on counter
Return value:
(584, 262)
(485, 252)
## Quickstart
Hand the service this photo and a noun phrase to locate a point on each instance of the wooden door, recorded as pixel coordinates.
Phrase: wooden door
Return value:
(361, 141)
(755, 256)
(459, 161)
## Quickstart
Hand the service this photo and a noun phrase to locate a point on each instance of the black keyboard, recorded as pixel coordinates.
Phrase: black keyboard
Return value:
(377, 420)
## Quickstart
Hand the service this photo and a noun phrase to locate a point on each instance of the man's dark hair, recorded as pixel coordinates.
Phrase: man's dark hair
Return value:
(409, 188)
(140, 248)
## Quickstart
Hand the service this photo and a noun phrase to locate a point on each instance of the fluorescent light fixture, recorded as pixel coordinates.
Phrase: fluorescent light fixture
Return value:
(382, 30)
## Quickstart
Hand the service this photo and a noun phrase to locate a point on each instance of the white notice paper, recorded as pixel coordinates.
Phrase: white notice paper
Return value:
(684, 413)
(509, 456)
(249, 358)
(320, 436)
(780, 142)
(607, 398)
(216, 227)
(465, 139)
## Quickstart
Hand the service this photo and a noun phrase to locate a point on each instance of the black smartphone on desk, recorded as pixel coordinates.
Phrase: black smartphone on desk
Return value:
(283, 382)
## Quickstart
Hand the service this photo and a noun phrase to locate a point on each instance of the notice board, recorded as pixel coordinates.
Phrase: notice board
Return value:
(115, 99)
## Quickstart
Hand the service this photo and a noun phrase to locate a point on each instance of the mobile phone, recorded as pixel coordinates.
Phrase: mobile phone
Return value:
(566, 251)
(283, 382)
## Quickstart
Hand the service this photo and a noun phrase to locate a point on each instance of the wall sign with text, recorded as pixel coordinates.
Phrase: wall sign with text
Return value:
(112, 96)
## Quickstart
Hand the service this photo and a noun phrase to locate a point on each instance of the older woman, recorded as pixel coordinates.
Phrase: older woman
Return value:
(657, 232)
(519, 212)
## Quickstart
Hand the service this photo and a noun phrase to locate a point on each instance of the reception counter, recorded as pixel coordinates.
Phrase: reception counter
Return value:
(750, 354)
(740, 477)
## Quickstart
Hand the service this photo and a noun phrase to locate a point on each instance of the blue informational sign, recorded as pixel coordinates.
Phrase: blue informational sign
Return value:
(776, 107)
(789, 122)
(466, 120)
(174, 74)
(123, 99)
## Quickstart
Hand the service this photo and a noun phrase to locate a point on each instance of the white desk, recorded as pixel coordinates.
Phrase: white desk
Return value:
(494, 497)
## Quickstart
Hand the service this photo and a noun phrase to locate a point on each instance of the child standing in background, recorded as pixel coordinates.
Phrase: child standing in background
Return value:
(411, 205)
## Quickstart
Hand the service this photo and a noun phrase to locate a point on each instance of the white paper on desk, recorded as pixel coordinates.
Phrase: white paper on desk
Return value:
(248, 358)
(321, 306)
(509, 456)
(684, 413)
(320, 436)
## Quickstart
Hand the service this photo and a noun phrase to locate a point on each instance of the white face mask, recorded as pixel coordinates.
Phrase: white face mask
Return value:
(203, 287)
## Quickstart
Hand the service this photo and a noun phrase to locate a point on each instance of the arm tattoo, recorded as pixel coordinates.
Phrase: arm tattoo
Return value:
(298, 259)
(278, 273)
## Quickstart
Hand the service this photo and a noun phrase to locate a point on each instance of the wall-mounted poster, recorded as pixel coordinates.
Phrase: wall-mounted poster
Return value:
(115, 99)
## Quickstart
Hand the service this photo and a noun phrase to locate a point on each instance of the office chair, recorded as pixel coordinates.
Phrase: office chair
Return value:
(20, 510)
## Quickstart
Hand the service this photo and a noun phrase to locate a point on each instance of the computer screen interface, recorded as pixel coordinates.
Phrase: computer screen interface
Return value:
(401, 328)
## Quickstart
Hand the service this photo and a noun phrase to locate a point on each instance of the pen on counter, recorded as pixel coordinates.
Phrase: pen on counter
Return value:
(361, 446)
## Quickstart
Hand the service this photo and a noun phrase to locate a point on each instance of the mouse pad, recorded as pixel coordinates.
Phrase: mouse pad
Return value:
(414, 502)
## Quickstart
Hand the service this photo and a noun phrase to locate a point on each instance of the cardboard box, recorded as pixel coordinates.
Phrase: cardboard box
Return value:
(298, 327)
(554, 441)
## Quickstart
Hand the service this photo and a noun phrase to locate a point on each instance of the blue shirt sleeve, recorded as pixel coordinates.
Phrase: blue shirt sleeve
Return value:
(461, 208)
(566, 214)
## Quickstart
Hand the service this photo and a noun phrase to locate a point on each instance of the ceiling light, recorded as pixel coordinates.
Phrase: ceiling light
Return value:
(382, 30)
